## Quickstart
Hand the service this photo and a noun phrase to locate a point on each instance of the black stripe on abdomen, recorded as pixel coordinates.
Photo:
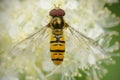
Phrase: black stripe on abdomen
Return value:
(57, 59)
(57, 50)
(57, 41)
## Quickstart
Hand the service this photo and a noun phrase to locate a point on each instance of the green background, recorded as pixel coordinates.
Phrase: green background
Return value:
(114, 70)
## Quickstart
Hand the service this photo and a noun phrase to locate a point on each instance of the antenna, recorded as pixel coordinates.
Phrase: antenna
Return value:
(57, 6)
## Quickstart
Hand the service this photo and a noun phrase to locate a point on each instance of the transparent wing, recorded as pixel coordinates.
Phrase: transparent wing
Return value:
(28, 53)
(84, 50)
(32, 43)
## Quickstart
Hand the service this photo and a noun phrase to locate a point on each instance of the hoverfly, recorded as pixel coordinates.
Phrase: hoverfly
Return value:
(58, 26)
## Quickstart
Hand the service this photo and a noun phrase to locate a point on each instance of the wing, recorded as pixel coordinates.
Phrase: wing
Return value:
(32, 43)
(84, 50)
(31, 51)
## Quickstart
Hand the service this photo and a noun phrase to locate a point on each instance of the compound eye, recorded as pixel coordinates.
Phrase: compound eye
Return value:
(60, 12)
(57, 12)
(53, 12)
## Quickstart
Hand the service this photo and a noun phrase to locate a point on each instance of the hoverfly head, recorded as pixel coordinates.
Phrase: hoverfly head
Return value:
(57, 12)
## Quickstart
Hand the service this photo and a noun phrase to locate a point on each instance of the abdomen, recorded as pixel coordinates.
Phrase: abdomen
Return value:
(57, 48)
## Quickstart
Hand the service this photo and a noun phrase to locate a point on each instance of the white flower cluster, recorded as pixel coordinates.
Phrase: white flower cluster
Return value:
(18, 18)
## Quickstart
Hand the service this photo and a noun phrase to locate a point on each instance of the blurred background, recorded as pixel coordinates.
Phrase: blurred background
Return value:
(114, 69)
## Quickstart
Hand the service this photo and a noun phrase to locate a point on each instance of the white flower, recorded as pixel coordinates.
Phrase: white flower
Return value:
(21, 17)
